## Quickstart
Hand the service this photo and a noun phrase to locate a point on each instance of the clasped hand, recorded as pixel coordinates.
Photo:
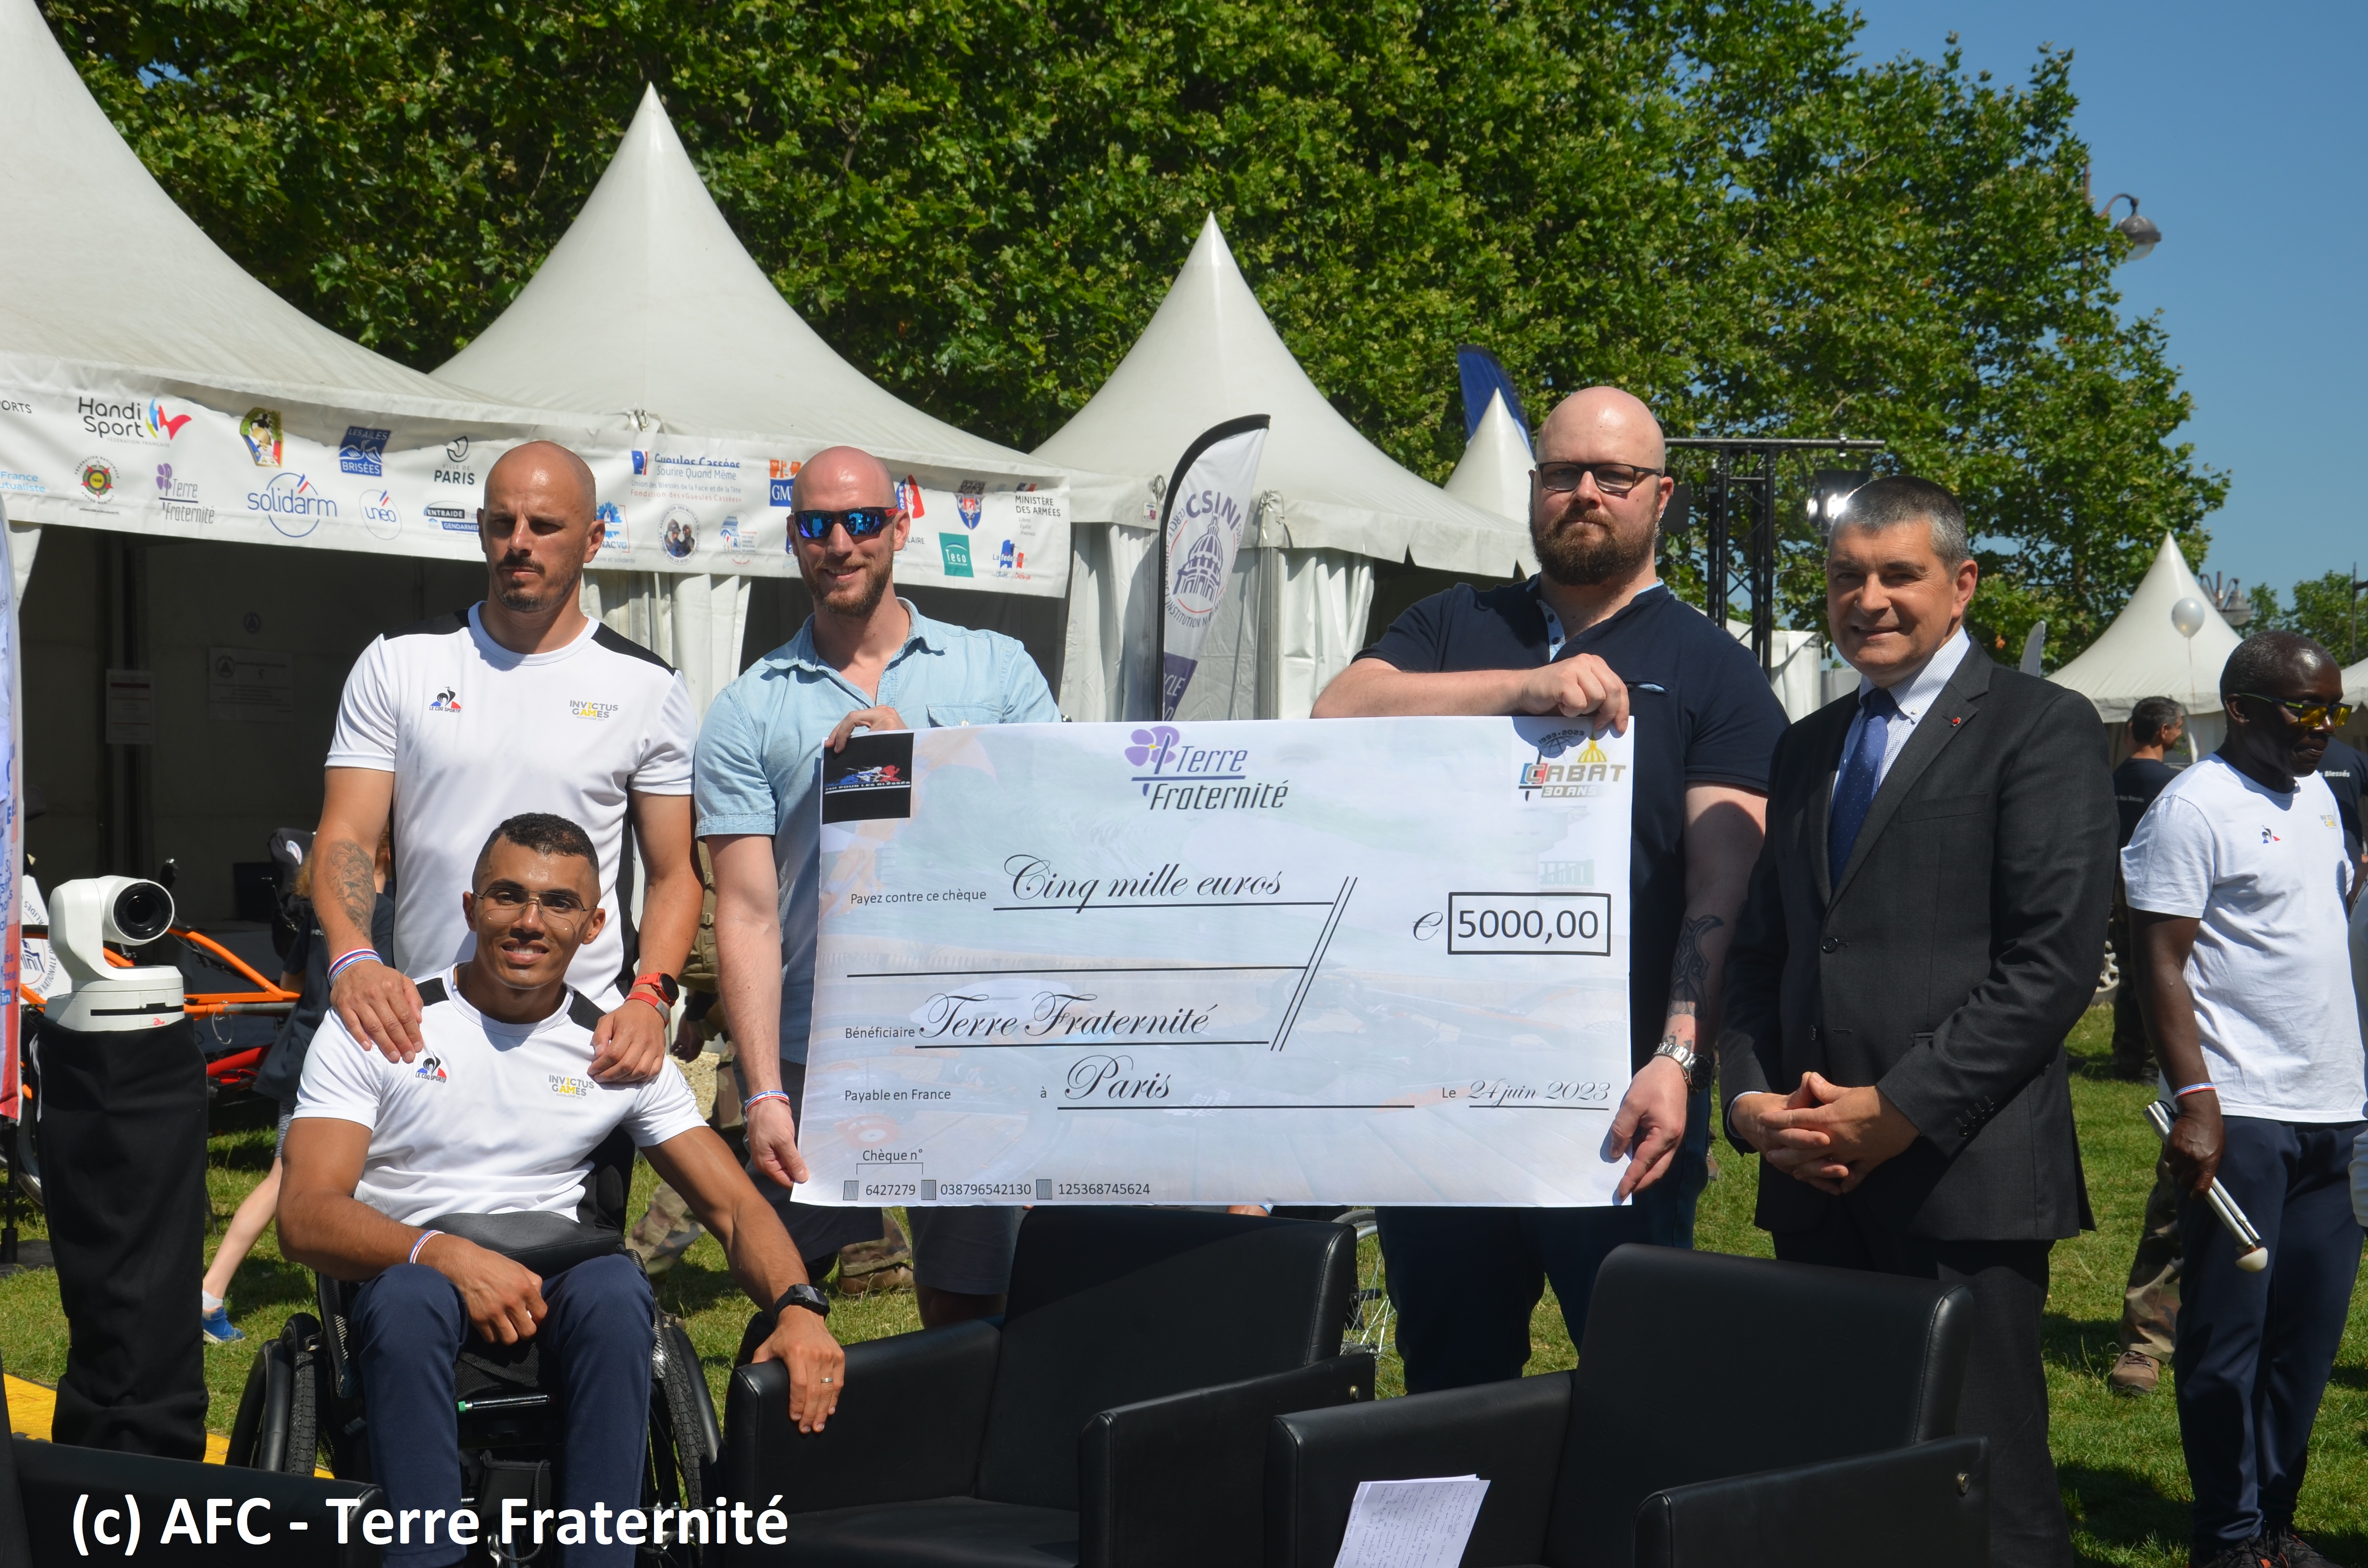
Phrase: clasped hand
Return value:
(1828, 1136)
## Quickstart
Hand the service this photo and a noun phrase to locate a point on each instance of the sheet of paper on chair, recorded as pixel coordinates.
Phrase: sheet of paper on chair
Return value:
(1411, 1524)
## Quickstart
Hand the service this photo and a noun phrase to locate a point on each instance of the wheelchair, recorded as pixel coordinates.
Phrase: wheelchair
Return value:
(303, 1399)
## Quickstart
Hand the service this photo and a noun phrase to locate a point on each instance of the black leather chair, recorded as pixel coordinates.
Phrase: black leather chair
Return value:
(1725, 1411)
(52, 1496)
(1136, 1341)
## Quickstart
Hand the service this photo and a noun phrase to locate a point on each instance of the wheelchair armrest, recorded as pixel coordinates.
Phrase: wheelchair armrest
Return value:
(908, 1426)
(287, 1518)
(1509, 1433)
(1179, 1479)
(1929, 1504)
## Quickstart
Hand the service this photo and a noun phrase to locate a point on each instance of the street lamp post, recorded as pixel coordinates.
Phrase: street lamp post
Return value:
(2141, 232)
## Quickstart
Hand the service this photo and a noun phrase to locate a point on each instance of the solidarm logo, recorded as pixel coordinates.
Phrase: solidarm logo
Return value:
(295, 508)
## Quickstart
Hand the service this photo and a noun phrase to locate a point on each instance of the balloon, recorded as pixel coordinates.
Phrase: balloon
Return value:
(2187, 615)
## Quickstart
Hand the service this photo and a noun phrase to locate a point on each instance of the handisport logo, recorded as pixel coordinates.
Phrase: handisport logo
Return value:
(291, 503)
(131, 419)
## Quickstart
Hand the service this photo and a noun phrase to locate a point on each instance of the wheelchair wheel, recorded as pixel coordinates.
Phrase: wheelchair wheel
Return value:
(301, 1335)
(278, 1426)
(684, 1437)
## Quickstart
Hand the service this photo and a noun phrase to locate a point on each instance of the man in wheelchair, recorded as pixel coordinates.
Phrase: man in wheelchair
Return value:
(495, 1125)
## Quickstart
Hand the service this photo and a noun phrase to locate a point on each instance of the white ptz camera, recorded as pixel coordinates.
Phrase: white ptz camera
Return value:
(84, 916)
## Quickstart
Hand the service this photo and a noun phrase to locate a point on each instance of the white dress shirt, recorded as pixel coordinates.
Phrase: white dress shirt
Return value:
(1915, 697)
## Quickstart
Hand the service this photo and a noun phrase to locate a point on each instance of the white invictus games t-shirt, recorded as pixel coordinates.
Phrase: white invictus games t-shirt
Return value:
(490, 1118)
(2266, 874)
(475, 734)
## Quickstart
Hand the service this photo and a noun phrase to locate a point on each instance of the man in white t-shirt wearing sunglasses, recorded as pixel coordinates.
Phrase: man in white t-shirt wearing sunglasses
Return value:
(2238, 880)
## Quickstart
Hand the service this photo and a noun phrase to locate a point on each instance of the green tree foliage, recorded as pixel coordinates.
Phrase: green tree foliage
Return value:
(1717, 205)
(2320, 608)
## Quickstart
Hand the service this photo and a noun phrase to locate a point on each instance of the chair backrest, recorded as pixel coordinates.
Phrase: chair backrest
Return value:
(1111, 1306)
(15, 1546)
(1677, 1340)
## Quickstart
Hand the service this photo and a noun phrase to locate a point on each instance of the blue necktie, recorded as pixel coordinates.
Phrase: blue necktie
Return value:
(1854, 789)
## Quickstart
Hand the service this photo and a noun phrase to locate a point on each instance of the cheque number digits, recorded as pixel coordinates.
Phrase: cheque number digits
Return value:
(1575, 922)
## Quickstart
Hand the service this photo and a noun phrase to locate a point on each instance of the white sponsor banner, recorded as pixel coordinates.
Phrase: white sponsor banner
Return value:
(723, 505)
(93, 446)
(1378, 960)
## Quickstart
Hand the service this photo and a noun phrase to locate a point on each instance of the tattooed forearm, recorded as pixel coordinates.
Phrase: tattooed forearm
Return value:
(352, 883)
(1690, 972)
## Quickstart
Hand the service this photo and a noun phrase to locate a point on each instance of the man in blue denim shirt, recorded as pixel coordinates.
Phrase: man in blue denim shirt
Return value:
(864, 660)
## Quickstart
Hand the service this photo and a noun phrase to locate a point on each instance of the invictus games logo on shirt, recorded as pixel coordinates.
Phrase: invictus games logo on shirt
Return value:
(591, 709)
(432, 1069)
(1555, 776)
(571, 1088)
(446, 702)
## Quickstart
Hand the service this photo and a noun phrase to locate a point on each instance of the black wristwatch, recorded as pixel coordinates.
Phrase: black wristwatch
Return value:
(804, 1296)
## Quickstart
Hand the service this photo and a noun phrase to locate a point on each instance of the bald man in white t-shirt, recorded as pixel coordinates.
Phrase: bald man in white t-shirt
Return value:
(519, 703)
(2239, 884)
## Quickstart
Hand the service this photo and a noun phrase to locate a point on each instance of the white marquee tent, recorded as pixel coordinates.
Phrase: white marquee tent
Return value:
(1494, 473)
(649, 306)
(150, 391)
(107, 287)
(2142, 653)
(1331, 503)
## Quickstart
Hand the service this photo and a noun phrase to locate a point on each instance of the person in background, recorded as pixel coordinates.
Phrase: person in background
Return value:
(307, 974)
(1596, 632)
(1925, 926)
(2150, 1299)
(864, 660)
(2239, 877)
(2157, 724)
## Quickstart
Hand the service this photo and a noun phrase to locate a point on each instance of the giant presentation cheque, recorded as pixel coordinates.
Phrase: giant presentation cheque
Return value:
(1373, 961)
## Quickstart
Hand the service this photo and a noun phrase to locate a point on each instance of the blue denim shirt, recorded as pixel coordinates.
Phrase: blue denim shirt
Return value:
(759, 763)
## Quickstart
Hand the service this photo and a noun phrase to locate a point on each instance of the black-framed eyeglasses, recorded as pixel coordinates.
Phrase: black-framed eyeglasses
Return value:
(860, 522)
(2308, 714)
(506, 900)
(1612, 479)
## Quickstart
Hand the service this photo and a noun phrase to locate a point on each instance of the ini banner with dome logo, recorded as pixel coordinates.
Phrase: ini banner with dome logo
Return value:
(1200, 532)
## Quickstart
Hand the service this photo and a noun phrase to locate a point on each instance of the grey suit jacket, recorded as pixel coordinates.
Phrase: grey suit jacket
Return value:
(1961, 943)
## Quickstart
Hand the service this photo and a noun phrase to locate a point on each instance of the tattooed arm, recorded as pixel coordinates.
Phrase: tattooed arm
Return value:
(1724, 828)
(376, 1002)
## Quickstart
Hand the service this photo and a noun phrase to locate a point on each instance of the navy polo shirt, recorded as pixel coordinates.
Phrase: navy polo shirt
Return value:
(1705, 717)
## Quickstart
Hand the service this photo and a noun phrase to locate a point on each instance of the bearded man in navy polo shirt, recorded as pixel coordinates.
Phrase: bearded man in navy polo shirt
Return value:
(1595, 632)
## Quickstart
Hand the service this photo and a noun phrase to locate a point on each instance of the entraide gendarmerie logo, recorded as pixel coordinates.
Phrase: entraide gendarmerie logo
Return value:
(1175, 774)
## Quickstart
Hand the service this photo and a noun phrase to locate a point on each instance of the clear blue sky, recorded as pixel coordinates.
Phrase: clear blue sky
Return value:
(2240, 131)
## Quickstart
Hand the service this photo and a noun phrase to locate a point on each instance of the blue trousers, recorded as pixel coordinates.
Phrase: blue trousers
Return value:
(1466, 1280)
(2254, 1351)
(595, 1352)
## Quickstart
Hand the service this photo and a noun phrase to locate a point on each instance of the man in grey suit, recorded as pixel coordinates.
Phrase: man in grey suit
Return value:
(1925, 925)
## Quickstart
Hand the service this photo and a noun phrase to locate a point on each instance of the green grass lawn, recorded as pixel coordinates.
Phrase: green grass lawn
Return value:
(2123, 1481)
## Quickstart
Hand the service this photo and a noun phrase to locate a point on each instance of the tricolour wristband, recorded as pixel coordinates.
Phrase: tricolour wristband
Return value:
(764, 1094)
(2194, 1089)
(345, 962)
(420, 1243)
